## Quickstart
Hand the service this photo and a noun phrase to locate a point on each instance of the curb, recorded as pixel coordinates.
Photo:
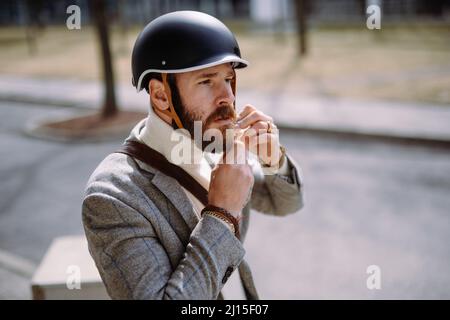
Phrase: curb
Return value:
(367, 136)
(17, 265)
(45, 102)
(36, 128)
(329, 132)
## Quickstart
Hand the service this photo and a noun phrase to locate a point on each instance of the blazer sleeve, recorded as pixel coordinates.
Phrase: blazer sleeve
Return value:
(133, 263)
(278, 194)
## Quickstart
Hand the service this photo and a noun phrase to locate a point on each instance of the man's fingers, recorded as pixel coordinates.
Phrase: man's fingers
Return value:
(248, 108)
(258, 128)
(253, 117)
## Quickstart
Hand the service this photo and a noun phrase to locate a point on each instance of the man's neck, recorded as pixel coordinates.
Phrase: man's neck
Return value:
(176, 145)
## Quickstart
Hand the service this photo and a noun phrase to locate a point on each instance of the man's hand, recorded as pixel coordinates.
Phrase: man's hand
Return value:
(260, 135)
(231, 184)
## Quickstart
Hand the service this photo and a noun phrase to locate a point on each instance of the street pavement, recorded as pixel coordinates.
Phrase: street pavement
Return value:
(367, 203)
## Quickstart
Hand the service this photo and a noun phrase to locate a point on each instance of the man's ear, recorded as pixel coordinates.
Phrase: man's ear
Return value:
(158, 95)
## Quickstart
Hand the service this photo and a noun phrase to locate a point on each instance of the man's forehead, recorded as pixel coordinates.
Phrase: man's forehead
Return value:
(212, 71)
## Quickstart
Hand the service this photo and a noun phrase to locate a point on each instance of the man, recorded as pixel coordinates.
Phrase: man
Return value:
(151, 234)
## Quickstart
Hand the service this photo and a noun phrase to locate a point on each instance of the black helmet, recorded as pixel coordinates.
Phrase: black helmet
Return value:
(183, 41)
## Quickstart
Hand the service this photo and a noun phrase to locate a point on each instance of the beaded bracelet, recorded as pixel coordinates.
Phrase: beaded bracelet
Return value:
(223, 215)
(221, 218)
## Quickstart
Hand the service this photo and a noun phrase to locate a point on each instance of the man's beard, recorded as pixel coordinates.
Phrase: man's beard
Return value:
(224, 111)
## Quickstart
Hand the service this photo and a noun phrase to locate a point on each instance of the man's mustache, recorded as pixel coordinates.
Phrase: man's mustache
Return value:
(222, 112)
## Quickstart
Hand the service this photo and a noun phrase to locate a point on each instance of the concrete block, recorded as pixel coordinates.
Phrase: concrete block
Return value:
(67, 272)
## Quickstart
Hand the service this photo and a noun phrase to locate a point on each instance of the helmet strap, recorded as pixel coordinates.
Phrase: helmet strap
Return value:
(171, 112)
(233, 87)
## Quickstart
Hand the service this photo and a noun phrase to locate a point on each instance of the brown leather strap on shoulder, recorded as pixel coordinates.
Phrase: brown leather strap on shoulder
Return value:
(155, 159)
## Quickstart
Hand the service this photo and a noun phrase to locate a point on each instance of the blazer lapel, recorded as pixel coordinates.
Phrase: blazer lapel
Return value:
(174, 192)
(168, 186)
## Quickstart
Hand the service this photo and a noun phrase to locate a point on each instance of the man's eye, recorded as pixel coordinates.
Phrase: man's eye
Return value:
(229, 79)
(207, 81)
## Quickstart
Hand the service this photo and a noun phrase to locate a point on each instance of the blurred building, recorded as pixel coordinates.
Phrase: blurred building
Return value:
(48, 12)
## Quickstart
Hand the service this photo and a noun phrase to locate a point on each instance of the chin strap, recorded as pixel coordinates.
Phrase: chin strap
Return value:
(233, 88)
(171, 111)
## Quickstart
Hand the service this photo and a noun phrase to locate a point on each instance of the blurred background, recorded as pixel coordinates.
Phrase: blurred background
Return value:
(363, 110)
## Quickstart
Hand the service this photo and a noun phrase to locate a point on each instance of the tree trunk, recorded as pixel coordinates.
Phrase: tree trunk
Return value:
(123, 26)
(217, 8)
(30, 27)
(300, 11)
(98, 10)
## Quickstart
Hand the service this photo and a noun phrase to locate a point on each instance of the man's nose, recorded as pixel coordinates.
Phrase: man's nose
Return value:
(226, 95)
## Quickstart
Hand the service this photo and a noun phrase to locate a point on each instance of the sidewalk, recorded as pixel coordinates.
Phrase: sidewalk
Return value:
(379, 119)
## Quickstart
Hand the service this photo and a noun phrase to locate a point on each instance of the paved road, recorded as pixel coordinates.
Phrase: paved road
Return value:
(367, 204)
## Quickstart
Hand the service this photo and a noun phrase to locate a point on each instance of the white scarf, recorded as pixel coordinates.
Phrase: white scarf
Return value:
(160, 136)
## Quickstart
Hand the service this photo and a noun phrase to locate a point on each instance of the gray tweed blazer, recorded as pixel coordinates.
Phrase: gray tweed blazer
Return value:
(148, 243)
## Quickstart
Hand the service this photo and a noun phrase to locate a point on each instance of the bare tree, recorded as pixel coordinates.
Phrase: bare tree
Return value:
(217, 8)
(301, 16)
(123, 25)
(32, 11)
(98, 11)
